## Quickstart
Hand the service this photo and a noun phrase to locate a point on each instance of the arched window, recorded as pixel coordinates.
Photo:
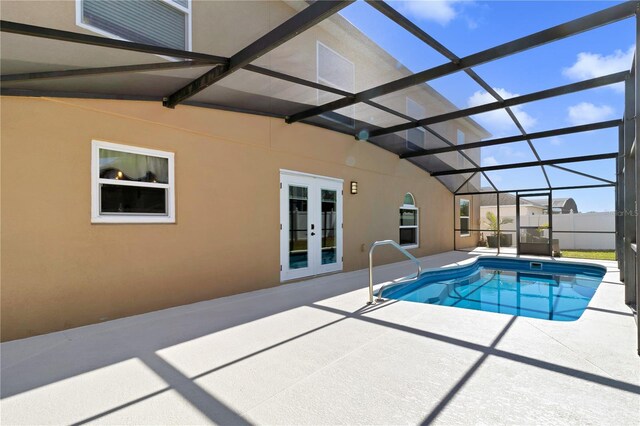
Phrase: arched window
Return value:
(409, 222)
(409, 200)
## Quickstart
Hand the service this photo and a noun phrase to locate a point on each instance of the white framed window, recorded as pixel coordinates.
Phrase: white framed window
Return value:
(465, 208)
(409, 223)
(131, 184)
(336, 71)
(416, 137)
(165, 23)
(460, 141)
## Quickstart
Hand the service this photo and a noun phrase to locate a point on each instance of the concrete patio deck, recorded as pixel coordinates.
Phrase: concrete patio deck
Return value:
(314, 353)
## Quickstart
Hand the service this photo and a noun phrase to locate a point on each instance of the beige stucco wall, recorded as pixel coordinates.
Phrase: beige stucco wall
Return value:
(61, 271)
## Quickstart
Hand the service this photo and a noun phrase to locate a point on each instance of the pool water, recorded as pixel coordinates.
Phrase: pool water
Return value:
(299, 259)
(549, 290)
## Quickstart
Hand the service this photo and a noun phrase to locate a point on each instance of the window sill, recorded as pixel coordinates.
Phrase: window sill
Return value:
(410, 246)
(112, 36)
(465, 235)
(133, 219)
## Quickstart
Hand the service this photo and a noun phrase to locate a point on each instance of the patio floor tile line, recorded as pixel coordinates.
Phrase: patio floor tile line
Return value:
(585, 359)
(120, 407)
(467, 376)
(609, 311)
(268, 348)
(282, 342)
(332, 363)
(151, 395)
(200, 399)
(594, 378)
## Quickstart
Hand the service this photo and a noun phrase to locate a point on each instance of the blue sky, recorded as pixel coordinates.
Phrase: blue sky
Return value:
(466, 27)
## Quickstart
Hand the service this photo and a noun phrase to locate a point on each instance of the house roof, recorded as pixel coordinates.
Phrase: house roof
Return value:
(564, 204)
(561, 202)
(507, 199)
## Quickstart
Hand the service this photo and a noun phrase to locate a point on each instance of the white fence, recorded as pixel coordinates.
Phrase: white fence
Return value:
(572, 222)
(600, 221)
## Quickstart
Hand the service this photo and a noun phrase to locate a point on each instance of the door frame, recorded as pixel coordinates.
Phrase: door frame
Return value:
(314, 265)
(547, 194)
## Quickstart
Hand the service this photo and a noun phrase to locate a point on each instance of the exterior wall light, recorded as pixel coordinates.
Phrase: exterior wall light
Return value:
(354, 187)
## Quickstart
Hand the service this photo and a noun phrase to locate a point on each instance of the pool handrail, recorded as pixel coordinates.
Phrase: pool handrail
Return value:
(403, 251)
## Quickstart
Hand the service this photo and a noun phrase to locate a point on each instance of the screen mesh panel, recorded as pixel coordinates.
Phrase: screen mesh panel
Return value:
(520, 178)
(24, 54)
(155, 84)
(354, 50)
(588, 143)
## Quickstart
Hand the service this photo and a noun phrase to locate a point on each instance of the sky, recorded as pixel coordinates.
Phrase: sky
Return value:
(466, 27)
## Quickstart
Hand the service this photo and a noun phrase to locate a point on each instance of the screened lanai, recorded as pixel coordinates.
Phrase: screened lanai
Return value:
(266, 70)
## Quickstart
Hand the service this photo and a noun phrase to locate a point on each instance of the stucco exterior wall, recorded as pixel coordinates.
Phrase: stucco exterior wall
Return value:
(61, 271)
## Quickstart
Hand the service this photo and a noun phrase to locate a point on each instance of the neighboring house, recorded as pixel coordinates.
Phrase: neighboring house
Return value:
(562, 205)
(534, 209)
(528, 206)
(150, 208)
(508, 206)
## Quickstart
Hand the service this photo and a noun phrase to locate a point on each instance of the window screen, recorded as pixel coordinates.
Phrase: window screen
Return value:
(336, 71)
(416, 136)
(150, 22)
(462, 163)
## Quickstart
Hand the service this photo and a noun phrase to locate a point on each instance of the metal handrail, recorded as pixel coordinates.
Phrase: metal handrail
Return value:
(403, 251)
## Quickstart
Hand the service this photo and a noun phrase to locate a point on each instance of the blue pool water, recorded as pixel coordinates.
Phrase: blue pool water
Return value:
(555, 291)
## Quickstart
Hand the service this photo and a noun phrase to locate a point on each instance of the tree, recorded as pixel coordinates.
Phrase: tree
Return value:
(492, 222)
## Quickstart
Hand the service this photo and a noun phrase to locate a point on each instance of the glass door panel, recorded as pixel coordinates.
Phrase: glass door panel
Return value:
(298, 227)
(329, 220)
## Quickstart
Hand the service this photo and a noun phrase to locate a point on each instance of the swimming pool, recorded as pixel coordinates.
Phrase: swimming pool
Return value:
(557, 291)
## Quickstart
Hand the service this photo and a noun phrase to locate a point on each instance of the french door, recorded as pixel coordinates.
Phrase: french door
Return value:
(310, 225)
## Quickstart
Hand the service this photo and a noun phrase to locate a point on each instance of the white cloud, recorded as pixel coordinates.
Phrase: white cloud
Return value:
(586, 112)
(505, 154)
(472, 24)
(489, 161)
(556, 141)
(591, 65)
(439, 11)
(509, 152)
(498, 122)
